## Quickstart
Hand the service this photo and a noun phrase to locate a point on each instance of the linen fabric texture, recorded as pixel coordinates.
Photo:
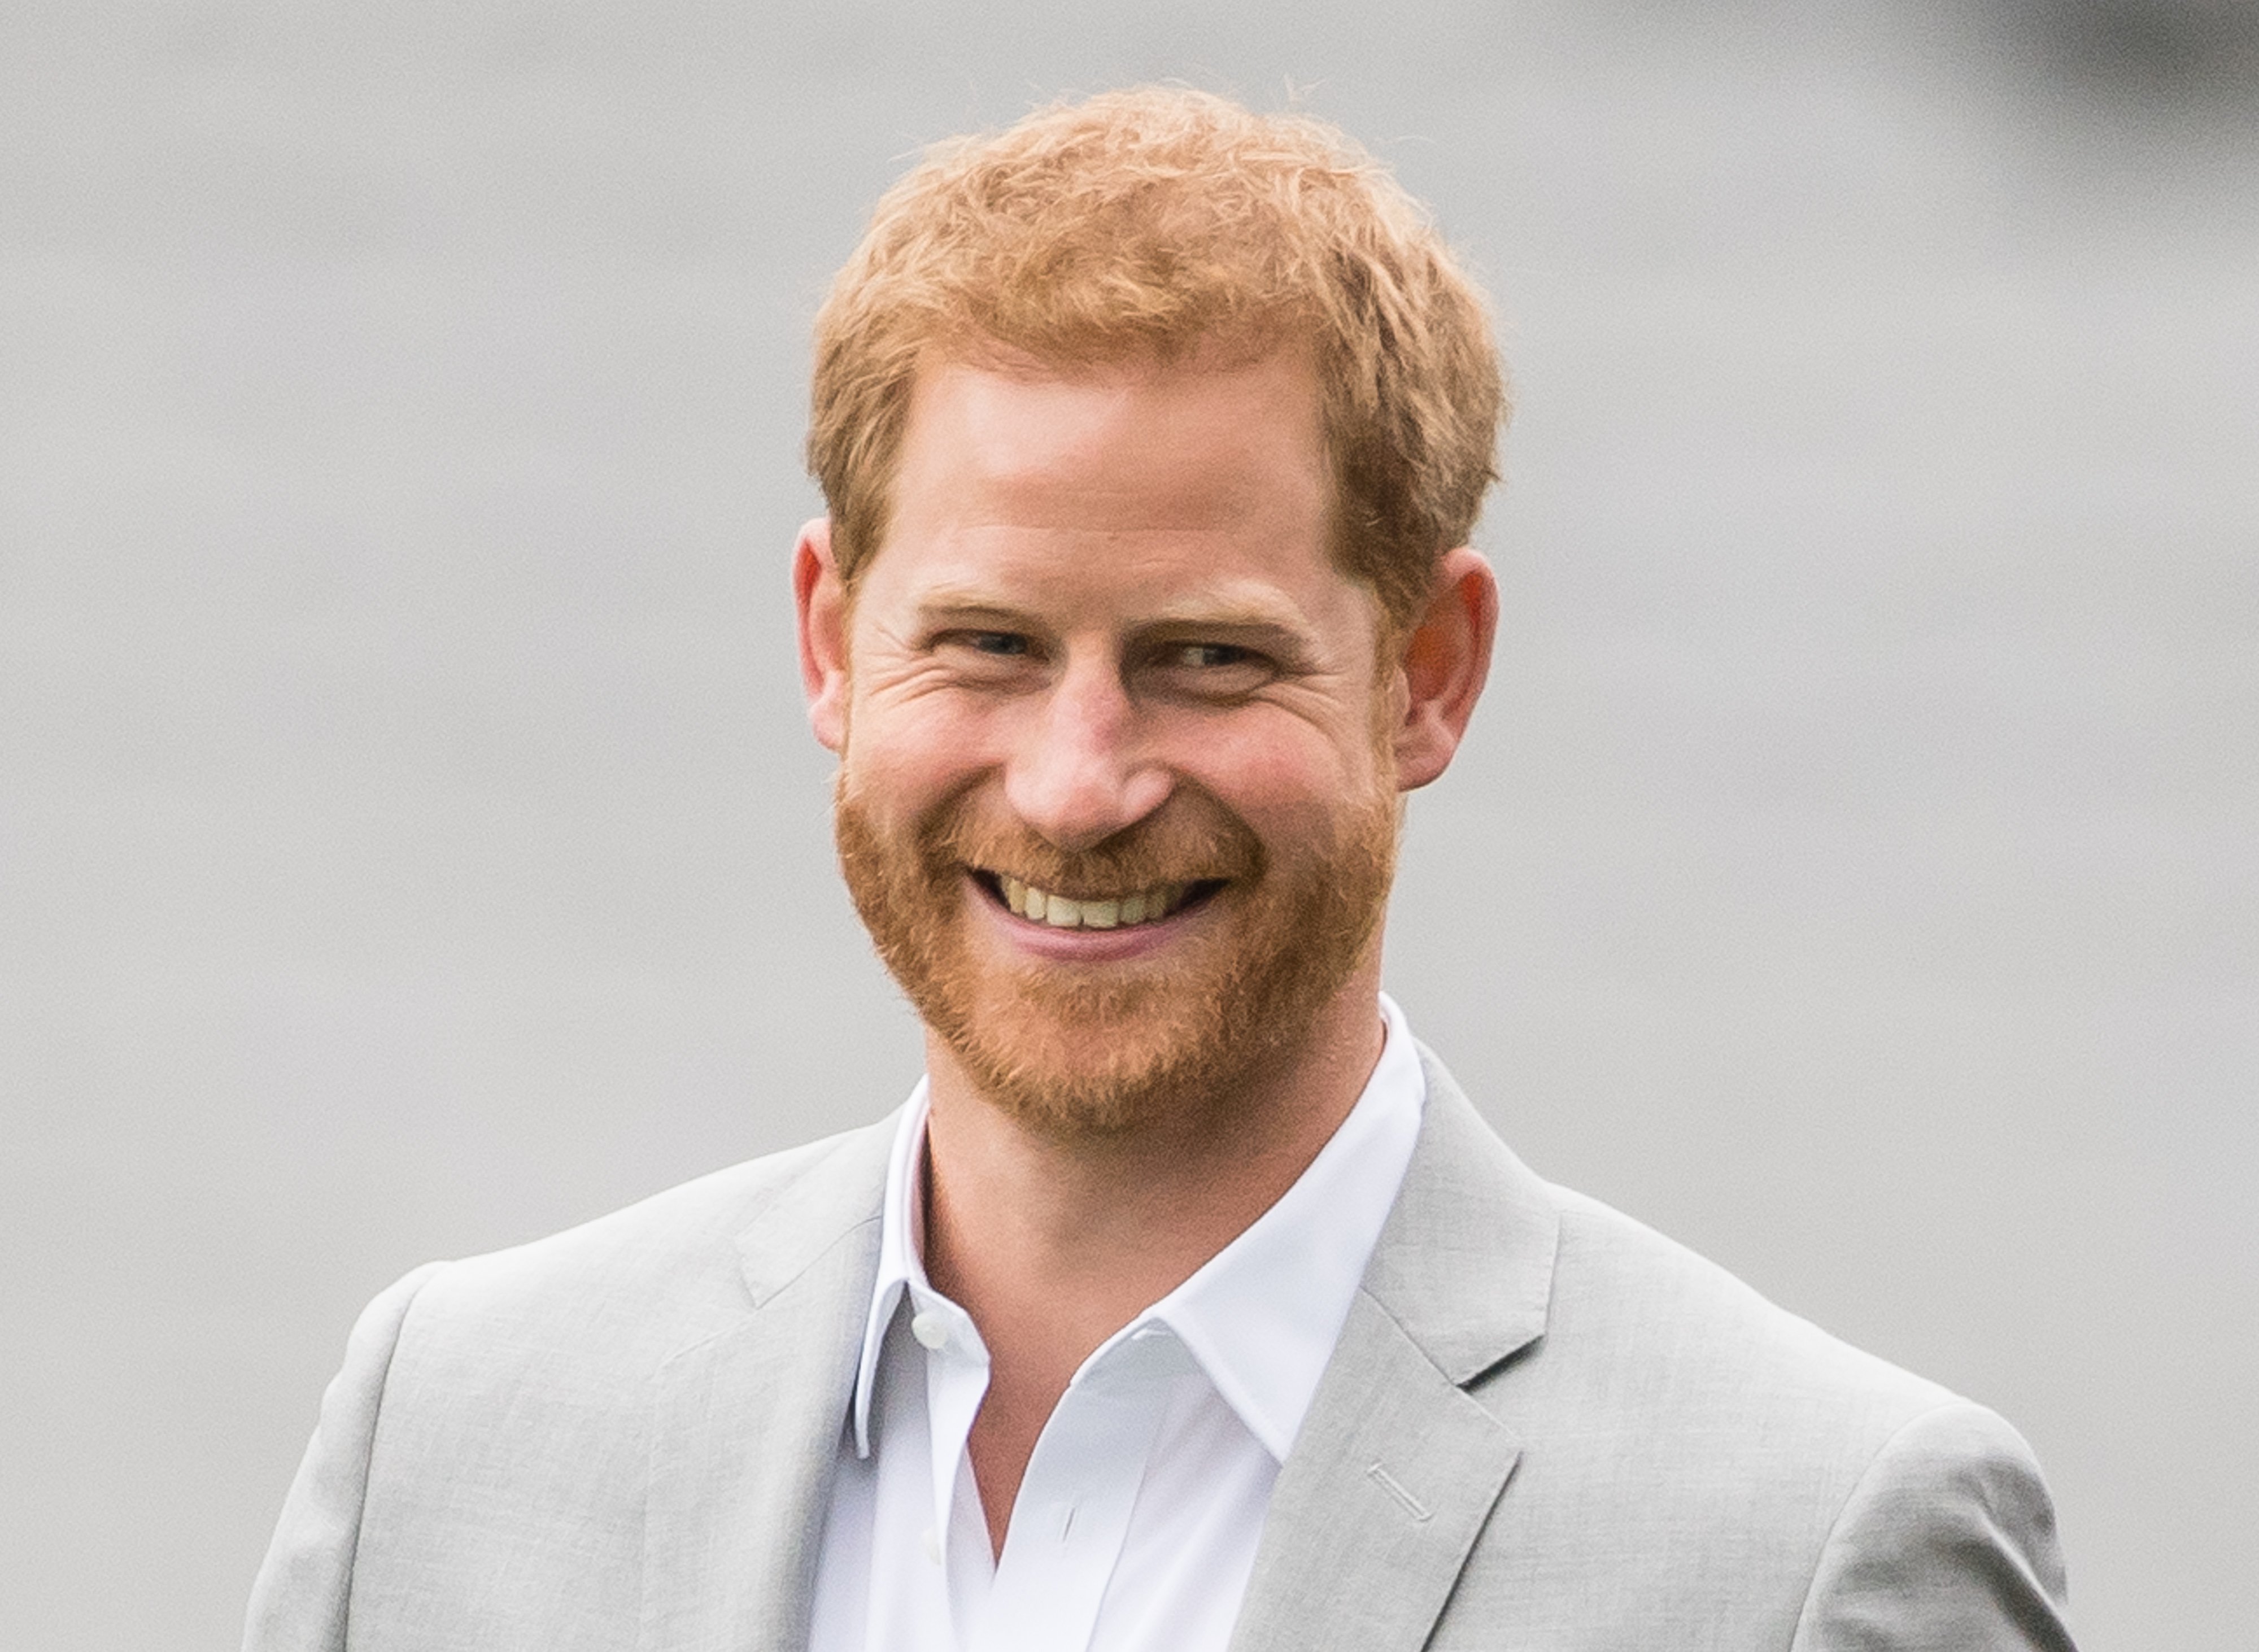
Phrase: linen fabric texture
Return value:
(1544, 1426)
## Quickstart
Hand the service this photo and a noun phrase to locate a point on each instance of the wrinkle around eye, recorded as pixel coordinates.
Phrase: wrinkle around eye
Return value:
(1315, 699)
(904, 676)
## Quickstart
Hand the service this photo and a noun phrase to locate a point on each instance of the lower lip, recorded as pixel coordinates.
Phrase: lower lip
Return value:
(1082, 945)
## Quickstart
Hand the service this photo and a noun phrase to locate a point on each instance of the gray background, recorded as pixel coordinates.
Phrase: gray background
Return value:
(410, 844)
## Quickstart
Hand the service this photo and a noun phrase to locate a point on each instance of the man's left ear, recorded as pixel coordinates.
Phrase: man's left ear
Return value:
(1441, 663)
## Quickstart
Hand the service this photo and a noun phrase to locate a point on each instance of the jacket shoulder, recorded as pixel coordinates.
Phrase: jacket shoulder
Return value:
(1684, 1334)
(1744, 1477)
(1948, 1539)
(662, 1272)
(478, 1476)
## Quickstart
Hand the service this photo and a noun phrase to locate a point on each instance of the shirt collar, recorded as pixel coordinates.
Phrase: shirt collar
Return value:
(1262, 1316)
(901, 1244)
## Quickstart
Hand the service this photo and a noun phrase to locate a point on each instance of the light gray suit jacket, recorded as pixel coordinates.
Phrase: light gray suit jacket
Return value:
(1544, 1428)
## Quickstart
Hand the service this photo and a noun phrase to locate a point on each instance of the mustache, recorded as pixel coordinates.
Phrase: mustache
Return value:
(1184, 842)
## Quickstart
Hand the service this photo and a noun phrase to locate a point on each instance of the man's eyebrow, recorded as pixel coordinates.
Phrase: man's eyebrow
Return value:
(1263, 631)
(1231, 613)
(1253, 619)
(964, 608)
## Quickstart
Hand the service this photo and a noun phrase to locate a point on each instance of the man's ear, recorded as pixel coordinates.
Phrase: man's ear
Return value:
(1441, 663)
(819, 600)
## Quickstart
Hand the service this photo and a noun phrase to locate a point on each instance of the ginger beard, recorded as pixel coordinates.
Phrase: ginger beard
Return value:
(1108, 1049)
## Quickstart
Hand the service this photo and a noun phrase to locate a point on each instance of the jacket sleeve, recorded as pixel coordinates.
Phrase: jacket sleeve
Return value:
(1948, 1544)
(298, 1602)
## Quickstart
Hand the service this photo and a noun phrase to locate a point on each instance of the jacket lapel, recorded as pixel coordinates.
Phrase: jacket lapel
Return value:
(1396, 1468)
(746, 1422)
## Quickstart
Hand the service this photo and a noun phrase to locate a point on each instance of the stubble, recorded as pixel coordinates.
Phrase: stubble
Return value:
(1116, 1050)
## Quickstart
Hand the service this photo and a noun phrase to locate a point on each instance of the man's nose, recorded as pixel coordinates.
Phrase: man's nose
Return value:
(1077, 774)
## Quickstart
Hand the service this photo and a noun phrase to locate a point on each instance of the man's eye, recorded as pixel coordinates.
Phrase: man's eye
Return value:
(1002, 645)
(1211, 656)
(1220, 672)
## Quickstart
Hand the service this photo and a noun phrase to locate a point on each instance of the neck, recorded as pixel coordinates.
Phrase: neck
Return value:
(1052, 1244)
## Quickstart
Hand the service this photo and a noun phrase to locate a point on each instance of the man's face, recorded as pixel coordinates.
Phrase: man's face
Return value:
(1116, 801)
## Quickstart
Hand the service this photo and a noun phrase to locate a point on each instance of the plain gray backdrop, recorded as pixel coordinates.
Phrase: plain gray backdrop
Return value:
(410, 842)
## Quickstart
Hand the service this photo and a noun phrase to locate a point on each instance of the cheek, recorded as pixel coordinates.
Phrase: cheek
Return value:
(1284, 778)
(905, 753)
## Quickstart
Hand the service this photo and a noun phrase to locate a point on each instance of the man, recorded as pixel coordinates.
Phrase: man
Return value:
(1188, 1303)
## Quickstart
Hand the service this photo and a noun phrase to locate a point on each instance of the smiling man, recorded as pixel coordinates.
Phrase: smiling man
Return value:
(1187, 1304)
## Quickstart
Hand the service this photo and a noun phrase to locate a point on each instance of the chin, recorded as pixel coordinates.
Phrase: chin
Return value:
(1086, 1071)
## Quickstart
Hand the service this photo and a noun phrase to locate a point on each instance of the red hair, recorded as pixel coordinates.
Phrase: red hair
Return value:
(1151, 223)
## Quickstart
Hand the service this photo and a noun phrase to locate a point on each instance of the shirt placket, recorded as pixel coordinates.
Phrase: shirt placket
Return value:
(1074, 1503)
(956, 1363)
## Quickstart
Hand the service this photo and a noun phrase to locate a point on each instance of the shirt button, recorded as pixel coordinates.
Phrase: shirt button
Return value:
(930, 1329)
(932, 1544)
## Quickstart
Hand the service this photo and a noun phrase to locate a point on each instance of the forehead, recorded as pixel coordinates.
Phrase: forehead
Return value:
(1173, 472)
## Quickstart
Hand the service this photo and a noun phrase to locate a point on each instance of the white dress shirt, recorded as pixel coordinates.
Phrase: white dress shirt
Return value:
(1138, 1519)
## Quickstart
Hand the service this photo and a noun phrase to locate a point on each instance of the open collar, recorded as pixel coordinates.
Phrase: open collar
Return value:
(1262, 1316)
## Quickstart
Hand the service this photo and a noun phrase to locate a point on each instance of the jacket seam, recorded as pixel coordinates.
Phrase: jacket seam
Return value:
(430, 1271)
(1851, 1500)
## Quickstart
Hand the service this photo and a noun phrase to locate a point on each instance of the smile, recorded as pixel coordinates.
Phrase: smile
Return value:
(1107, 911)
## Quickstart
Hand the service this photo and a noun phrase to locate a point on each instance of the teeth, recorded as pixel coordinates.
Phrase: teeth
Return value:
(1145, 906)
